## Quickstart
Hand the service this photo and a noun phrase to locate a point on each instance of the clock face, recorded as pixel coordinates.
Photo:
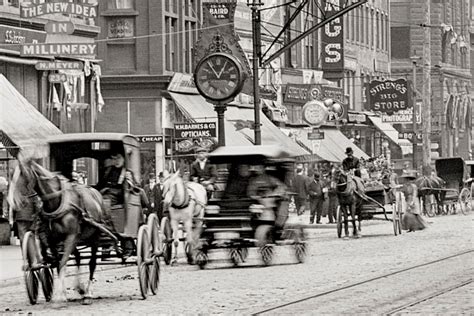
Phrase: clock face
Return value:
(219, 77)
(315, 113)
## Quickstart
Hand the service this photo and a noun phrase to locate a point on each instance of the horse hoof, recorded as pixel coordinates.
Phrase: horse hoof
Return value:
(357, 236)
(87, 301)
(345, 238)
(174, 262)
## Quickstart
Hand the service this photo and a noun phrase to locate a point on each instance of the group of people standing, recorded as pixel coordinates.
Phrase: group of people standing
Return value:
(316, 188)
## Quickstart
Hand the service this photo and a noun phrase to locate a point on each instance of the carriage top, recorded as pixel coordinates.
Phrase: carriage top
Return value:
(250, 154)
(65, 148)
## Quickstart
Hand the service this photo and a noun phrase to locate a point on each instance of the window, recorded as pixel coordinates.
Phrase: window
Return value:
(400, 42)
(171, 43)
(120, 4)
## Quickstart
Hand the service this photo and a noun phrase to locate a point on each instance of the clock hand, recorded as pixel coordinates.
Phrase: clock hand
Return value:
(213, 70)
(222, 70)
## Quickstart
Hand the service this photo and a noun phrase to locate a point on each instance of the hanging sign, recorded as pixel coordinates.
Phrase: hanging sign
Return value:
(56, 78)
(59, 65)
(150, 138)
(332, 38)
(389, 96)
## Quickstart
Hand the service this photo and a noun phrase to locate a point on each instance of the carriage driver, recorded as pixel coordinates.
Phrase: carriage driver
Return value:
(203, 172)
(351, 163)
(270, 192)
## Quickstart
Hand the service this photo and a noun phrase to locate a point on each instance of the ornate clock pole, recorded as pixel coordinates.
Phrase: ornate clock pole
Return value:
(219, 77)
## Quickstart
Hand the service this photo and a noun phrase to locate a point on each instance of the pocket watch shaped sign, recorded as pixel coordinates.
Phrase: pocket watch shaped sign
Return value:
(219, 77)
(315, 113)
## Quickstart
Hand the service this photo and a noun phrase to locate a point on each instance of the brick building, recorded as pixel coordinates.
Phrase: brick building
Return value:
(451, 69)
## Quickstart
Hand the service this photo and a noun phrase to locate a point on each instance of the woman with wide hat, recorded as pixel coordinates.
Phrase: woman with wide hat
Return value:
(412, 219)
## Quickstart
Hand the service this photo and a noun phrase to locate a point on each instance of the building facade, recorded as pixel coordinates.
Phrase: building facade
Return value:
(450, 68)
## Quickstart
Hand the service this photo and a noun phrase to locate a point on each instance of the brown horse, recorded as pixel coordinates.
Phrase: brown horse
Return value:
(431, 186)
(66, 218)
(349, 190)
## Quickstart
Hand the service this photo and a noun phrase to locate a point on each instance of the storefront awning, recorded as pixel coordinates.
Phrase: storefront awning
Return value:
(331, 148)
(239, 120)
(21, 124)
(392, 134)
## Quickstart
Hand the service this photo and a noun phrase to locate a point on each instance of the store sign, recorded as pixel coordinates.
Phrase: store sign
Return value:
(316, 134)
(357, 118)
(58, 49)
(302, 93)
(57, 78)
(332, 38)
(219, 10)
(389, 96)
(55, 27)
(195, 130)
(401, 117)
(182, 83)
(59, 65)
(150, 138)
(409, 136)
(17, 36)
(31, 10)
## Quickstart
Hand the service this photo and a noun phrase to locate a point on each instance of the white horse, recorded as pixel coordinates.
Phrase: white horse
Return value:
(186, 203)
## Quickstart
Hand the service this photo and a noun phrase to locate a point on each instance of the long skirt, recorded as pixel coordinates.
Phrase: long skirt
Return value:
(412, 222)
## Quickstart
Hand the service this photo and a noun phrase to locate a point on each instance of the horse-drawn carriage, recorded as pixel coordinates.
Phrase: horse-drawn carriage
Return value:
(366, 201)
(250, 211)
(84, 224)
(458, 188)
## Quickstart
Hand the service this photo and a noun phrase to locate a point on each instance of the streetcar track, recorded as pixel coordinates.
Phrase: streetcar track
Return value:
(274, 308)
(426, 298)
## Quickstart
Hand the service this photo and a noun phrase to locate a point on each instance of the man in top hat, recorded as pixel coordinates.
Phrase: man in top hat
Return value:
(203, 172)
(351, 163)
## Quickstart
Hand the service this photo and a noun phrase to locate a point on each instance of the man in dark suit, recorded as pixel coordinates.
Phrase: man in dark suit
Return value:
(351, 163)
(316, 199)
(300, 187)
(203, 172)
(153, 191)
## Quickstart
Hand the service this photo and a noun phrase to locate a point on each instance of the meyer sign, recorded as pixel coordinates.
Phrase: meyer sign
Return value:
(194, 130)
(333, 42)
(31, 10)
(389, 96)
(58, 65)
(65, 49)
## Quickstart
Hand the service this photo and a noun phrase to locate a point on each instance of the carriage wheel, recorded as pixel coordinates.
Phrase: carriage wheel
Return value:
(155, 275)
(267, 253)
(30, 259)
(300, 251)
(465, 201)
(236, 256)
(396, 214)
(339, 221)
(47, 282)
(154, 231)
(201, 259)
(143, 255)
(167, 240)
(189, 252)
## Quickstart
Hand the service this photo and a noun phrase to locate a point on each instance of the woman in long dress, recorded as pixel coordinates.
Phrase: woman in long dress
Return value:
(412, 219)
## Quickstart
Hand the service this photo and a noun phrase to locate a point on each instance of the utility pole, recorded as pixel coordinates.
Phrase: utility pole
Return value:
(256, 38)
(426, 111)
(414, 59)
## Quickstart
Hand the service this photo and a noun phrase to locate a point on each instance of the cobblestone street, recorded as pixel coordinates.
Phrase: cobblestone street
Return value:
(332, 263)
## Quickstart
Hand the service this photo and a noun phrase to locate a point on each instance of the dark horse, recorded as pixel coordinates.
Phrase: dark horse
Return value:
(431, 186)
(349, 190)
(67, 217)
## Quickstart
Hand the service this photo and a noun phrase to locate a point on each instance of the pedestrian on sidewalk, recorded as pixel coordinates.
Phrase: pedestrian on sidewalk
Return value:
(316, 198)
(300, 187)
(330, 191)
